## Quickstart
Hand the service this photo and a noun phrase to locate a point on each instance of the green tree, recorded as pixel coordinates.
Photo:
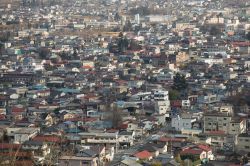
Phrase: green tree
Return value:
(174, 95)
(180, 82)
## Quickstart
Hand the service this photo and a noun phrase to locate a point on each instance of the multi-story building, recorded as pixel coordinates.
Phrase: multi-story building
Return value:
(224, 122)
(243, 142)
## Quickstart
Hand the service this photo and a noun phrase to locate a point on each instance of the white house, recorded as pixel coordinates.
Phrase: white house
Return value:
(126, 138)
(22, 134)
(162, 107)
(184, 121)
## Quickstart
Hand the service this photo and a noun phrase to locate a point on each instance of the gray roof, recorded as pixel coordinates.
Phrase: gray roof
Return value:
(87, 153)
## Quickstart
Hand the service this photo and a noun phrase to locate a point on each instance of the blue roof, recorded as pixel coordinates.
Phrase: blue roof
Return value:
(39, 87)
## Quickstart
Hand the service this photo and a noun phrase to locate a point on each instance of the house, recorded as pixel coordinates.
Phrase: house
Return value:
(100, 138)
(183, 121)
(220, 140)
(243, 142)
(162, 107)
(50, 139)
(126, 138)
(207, 98)
(225, 122)
(80, 161)
(172, 143)
(156, 148)
(21, 135)
(202, 152)
(39, 149)
(144, 155)
(103, 153)
(129, 162)
(18, 112)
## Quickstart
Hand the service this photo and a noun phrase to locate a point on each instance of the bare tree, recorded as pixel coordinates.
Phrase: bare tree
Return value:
(115, 117)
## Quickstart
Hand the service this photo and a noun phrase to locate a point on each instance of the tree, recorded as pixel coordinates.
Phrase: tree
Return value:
(174, 95)
(44, 52)
(215, 31)
(122, 43)
(115, 118)
(133, 45)
(180, 82)
(128, 26)
(117, 17)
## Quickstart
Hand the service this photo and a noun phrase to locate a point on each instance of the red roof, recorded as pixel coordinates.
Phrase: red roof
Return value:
(241, 44)
(192, 151)
(205, 147)
(217, 132)
(166, 139)
(18, 154)
(87, 67)
(176, 103)
(17, 109)
(143, 154)
(196, 150)
(9, 146)
(50, 138)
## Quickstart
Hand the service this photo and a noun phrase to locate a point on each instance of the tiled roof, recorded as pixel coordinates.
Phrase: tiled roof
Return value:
(45, 138)
(143, 154)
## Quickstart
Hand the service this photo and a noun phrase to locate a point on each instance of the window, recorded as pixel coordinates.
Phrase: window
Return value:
(209, 123)
(246, 140)
(224, 124)
(247, 147)
(225, 118)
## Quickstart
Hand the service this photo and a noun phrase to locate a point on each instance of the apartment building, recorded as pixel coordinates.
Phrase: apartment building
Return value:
(224, 122)
(243, 142)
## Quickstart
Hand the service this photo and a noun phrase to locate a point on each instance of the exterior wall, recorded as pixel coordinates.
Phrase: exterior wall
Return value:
(77, 162)
(178, 123)
(127, 138)
(243, 144)
(223, 123)
(237, 128)
(162, 107)
(215, 123)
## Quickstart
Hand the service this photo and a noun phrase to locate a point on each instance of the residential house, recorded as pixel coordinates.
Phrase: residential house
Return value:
(129, 162)
(144, 155)
(203, 152)
(126, 138)
(183, 121)
(21, 135)
(243, 142)
(225, 122)
(75, 160)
